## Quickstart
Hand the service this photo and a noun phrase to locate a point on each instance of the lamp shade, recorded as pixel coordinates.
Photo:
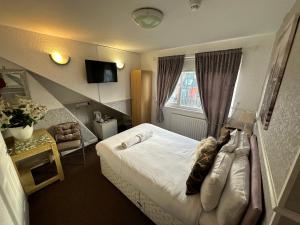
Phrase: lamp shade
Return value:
(59, 58)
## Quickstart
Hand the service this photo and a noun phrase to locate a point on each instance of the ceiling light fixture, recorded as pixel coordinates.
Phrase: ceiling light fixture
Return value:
(147, 17)
(59, 58)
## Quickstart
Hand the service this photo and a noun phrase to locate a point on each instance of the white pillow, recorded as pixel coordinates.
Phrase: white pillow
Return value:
(235, 197)
(243, 146)
(215, 181)
(232, 143)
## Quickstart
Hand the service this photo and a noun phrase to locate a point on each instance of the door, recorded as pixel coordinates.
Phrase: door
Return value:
(13, 201)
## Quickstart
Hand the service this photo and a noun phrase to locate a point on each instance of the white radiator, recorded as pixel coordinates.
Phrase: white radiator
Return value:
(188, 126)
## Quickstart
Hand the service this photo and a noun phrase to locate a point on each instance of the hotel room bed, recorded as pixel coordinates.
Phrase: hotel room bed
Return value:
(153, 173)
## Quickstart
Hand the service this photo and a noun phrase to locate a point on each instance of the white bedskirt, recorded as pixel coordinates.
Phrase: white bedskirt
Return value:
(139, 199)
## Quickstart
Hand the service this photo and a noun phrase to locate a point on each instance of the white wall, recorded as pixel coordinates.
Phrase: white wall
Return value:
(40, 95)
(30, 50)
(37, 92)
(256, 54)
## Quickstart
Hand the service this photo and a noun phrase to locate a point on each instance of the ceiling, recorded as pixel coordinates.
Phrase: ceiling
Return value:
(109, 22)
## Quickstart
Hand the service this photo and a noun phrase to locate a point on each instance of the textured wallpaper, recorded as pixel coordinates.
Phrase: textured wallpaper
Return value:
(62, 115)
(282, 139)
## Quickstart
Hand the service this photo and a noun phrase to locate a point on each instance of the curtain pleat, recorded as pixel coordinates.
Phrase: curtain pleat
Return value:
(169, 70)
(216, 76)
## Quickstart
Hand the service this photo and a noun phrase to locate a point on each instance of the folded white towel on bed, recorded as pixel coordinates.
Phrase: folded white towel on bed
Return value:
(143, 136)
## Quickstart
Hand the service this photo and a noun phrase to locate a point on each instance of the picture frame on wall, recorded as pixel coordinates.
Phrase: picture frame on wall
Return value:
(279, 59)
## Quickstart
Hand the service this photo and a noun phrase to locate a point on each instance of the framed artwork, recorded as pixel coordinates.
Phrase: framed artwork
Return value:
(279, 59)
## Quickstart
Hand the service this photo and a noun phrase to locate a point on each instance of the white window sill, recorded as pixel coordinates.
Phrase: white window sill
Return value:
(185, 110)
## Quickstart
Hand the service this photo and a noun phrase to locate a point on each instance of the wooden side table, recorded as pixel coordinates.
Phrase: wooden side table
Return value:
(40, 142)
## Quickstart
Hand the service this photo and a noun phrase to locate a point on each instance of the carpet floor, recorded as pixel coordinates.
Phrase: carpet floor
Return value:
(85, 197)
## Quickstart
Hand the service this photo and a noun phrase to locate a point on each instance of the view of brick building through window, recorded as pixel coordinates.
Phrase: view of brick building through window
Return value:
(186, 93)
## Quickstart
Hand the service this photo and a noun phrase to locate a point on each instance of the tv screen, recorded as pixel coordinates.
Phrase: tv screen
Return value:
(101, 72)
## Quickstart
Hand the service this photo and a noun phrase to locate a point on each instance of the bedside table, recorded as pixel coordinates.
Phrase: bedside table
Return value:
(106, 129)
(40, 142)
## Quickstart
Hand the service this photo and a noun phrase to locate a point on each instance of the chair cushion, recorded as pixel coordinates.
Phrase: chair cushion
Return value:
(64, 146)
(67, 132)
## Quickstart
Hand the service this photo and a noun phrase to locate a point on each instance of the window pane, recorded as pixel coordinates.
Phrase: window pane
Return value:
(189, 90)
(186, 93)
(174, 99)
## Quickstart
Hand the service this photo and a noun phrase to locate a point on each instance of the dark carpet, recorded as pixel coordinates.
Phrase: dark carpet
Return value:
(85, 197)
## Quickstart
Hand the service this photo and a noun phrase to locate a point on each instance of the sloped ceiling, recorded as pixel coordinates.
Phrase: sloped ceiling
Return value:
(109, 22)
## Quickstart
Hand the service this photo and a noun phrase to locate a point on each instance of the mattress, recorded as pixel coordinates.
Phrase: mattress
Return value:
(158, 167)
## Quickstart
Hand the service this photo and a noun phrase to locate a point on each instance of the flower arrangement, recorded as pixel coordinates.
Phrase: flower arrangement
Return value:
(21, 112)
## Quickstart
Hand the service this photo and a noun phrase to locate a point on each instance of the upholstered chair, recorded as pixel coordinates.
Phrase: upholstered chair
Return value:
(68, 138)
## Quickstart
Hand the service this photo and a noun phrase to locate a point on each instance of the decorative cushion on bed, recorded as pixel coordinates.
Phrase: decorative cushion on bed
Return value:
(206, 152)
(243, 146)
(223, 139)
(67, 132)
(233, 142)
(254, 209)
(215, 181)
(235, 197)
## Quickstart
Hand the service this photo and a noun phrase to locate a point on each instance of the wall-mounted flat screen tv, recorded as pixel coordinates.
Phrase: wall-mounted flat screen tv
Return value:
(101, 72)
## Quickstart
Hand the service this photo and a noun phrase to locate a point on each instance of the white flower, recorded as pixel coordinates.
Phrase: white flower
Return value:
(4, 119)
(27, 106)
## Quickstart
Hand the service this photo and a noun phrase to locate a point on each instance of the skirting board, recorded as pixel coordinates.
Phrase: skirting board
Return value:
(278, 202)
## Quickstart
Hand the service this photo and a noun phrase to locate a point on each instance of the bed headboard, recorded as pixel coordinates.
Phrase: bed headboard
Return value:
(255, 207)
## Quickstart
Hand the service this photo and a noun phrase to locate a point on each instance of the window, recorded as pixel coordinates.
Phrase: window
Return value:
(186, 94)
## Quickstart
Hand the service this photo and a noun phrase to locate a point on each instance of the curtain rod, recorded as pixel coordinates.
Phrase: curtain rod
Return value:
(191, 56)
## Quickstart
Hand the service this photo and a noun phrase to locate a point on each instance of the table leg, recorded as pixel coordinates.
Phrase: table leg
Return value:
(57, 162)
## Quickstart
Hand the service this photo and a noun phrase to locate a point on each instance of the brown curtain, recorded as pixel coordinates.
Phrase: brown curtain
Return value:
(216, 75)
(169, 70)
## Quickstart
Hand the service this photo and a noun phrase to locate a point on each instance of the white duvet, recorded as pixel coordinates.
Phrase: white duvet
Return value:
(158, 167)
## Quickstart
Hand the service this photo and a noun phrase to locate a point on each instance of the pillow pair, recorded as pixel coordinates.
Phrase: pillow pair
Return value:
(227, 184)
(205, 155)
(235, 197)
(215, 181)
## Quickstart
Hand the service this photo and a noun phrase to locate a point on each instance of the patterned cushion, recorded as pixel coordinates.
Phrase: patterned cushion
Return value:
(64, 146)
(207, 150)
(67, 132)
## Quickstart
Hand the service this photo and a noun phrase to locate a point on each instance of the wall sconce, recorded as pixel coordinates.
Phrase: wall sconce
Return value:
(120, 65)
(59, 58)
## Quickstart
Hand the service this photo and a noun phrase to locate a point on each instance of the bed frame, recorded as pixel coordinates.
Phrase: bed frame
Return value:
(160, 217)
(139, 199)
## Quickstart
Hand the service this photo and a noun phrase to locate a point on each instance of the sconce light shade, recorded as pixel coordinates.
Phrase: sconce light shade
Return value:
(59, 58)
(120, 65)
